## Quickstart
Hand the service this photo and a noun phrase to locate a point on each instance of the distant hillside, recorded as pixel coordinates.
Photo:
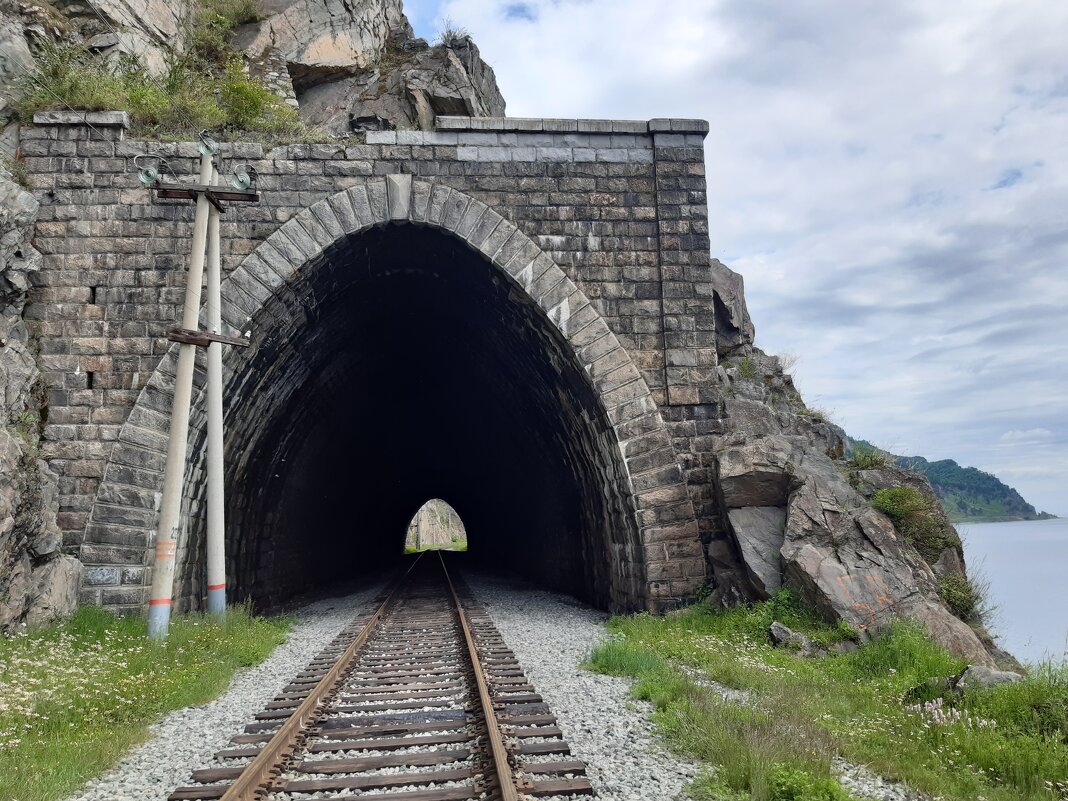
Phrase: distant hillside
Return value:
(969, 495)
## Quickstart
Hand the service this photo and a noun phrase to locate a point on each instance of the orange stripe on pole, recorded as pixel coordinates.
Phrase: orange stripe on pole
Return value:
(216, 586)
(160, 602)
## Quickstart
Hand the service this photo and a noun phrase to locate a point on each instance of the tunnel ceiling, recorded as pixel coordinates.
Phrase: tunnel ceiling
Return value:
(403, 366)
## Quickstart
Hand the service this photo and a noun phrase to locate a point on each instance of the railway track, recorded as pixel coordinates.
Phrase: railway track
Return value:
(419, 700)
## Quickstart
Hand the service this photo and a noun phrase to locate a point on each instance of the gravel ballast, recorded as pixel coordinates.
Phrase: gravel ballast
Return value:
(552, 635)
(186, 739)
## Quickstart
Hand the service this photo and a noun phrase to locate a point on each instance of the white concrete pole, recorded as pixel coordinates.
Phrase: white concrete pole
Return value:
(216, 500)
(159, 604)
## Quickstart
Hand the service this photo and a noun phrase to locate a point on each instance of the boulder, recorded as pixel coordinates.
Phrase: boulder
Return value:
(55, 591)
(326, 33)
(759, 473)
(845, 560)
(949, 563)
(759, 532)
(980, 676)
(734, 327)
(407, 92)
(785, 637)
(751, 416)
(15, 57)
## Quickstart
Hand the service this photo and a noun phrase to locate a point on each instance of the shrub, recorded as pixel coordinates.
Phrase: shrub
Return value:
(248, 104)
(917, 519)
(209, 34)
(747, 369)
(963, 598)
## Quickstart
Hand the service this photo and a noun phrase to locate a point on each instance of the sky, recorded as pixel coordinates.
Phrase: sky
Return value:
(890, 178)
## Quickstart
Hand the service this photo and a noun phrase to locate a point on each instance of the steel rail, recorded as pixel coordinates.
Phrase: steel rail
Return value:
(255, 778)
(505, 778)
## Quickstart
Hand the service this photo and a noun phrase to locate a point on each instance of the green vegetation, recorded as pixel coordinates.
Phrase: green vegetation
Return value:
(1007, 743)
(815, 413)
(966, 493)
(868, 457)
(451, 35)
(18, 171)
(967, 597)
(75, 696)
(747, 369)
(207, 87)
(916, 518)
(27, 427)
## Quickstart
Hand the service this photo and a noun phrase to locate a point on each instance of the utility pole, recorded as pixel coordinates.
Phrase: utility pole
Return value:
(216, 546)
(159, 603)
(189, 337)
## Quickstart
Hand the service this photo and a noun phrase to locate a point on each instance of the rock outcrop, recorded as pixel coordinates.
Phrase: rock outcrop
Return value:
(346, 66)
(799, 517)
(37, 582)
(148, 29)
(353, 67)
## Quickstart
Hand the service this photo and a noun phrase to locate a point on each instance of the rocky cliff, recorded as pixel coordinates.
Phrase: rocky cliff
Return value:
(800, 515)
(37, 582)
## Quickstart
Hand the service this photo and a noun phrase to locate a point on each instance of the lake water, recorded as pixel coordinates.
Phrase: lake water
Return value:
(1026, 564)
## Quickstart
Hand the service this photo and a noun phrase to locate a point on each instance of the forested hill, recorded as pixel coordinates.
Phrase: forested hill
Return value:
(970, 495)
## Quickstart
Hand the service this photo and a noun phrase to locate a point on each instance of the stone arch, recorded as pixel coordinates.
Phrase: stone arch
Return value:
(664, 525)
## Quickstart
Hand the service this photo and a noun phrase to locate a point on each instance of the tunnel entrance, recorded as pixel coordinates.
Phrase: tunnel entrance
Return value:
(402, 365)
(435, 526)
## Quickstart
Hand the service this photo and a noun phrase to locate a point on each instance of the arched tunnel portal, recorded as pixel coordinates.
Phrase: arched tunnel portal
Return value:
(404, 366)
(409, 343)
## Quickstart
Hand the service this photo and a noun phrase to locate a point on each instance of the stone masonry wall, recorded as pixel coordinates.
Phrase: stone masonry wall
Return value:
(618, 205)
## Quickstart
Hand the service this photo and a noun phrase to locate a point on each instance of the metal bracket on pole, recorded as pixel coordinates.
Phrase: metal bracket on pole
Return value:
(204, 338)
(214, 194)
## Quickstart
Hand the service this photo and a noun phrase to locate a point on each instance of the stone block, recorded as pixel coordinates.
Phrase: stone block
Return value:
(101, 576)
(399, 196)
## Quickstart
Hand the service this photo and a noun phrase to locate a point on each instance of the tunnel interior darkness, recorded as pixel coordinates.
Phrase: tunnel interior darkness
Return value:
(401, 366)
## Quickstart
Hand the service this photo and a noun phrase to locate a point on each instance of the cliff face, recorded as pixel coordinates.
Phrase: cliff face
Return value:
(37, 582)
(799, 515)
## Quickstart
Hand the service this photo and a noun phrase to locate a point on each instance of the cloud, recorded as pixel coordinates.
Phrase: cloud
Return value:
(890, 178)
(1029, 437)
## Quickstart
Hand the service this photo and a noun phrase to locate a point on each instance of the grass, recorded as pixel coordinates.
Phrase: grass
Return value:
(74, 697)
(815, 414)
(747, 369)
(1001, 744)
(17, 169)
(451, 35)
(186, 99)
(460, 546)
(204, 88)
(866, 457)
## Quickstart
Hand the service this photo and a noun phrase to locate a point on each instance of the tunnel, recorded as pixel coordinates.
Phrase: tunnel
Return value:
(399, 366)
